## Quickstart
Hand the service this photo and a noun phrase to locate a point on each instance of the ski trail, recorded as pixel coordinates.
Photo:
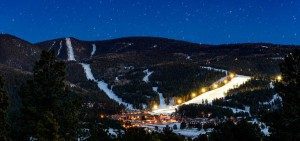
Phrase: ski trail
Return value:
(104, 86)
(71, 56)
(94, 50)
(162, 103)
(60, 46)
(209, 96)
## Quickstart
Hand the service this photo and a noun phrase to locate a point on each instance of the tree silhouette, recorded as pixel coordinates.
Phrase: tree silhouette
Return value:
(49, 109)
(286, 124)
(4, 103)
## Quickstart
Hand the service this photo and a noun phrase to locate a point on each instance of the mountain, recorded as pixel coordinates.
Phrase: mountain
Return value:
(133, 71)
(17, 53)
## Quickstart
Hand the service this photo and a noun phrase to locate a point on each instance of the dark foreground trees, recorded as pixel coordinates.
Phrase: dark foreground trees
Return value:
(286, 123)
(230, 131)
(4, 103)
(142, 134)
(49, 109)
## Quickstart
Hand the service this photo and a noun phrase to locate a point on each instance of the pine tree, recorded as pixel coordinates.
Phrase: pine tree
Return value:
(50, 110)
(286, 125)
(4, 103)
(241, 131)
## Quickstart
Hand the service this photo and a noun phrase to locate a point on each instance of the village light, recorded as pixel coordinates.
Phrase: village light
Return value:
(279, 78)
(225, 81)
(102, 116)
(231, 75)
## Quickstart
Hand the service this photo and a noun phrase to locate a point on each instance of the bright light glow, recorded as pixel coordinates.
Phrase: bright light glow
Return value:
(231, 75)
(179, 101)
(203, 90)
(279, 78)
(225, 81)
(215, 86)
(193, 95)
(155, 107)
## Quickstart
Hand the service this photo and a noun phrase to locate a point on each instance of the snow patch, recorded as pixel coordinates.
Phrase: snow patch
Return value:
(237, 110)
(188, 58)
(71, 56)
(146, 77)
(112, 132)
(277, 58)
(129, 68)
(274, 98)
(52, 45)
(263, 127)
(214, 69)
(192, 133)
(272, 85)
(104, 86)
(94, 50)
(188, 132)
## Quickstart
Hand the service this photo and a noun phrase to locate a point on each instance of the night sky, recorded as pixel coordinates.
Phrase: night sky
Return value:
(200, 21)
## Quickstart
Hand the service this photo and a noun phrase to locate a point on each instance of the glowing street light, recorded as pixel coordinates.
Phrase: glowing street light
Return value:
(179, 101)
(279, 78)
(193, 95)
(155, 107)
(215, 86)
(231, 75)
(203, 90)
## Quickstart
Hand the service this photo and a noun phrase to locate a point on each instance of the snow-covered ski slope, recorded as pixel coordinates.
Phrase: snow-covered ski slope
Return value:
(71, 56)
(162, 103)
(104, 86)
(209, 96)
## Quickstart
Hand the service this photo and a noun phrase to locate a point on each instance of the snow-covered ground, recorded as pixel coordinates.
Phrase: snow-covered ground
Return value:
(188, 58)
(94, 50)
(278, 58)
(60, 46)
(214, 69)
(192, 132)
(162, 103)
(112, 132)
(104, 86)
(146, 77)
(274, 98)
(188, 132)
(237, 110)
(52, 45)
(71, 56)
(209, 96)
(263, 127)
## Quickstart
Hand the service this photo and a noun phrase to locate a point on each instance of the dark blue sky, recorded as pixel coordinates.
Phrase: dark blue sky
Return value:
(201, 21)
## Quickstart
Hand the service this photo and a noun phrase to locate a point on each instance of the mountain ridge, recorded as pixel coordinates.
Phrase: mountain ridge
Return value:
(121, 62)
